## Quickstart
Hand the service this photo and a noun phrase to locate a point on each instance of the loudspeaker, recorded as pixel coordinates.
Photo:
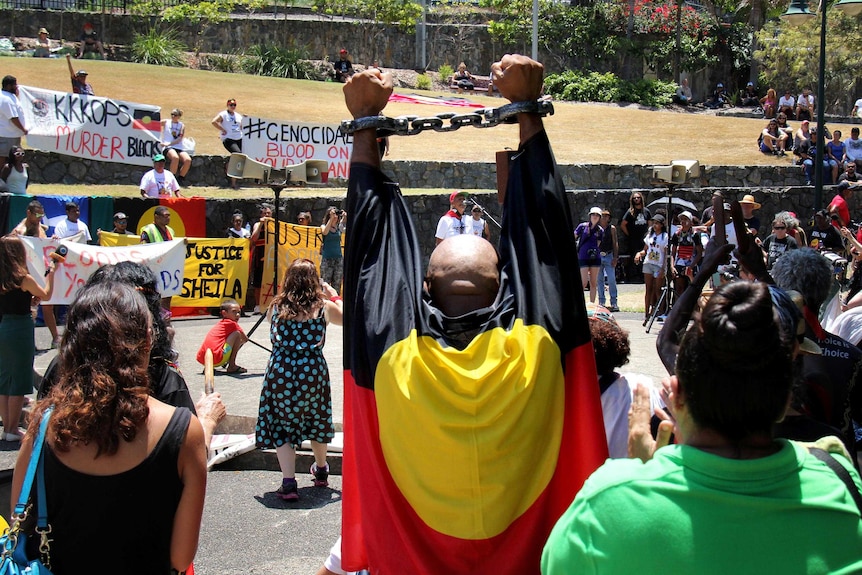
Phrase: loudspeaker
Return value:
(241, 166)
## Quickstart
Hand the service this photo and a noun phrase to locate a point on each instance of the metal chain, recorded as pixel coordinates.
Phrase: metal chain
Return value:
(482, 118)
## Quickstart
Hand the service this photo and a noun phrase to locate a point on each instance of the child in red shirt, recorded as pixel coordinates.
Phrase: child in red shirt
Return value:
(225, 339)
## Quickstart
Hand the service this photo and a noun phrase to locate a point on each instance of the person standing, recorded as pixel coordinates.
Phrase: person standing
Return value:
(476, 224)
(343, 67)
(295, 403)
(609, 250)
(634, 225)
(229, 124)
(173, 134)
(331, 256)
(589, 235)
(159, 231)
(159, 182)
(236, 229)
(112, 450)
(778, 243)
(258, 253)
(32, 224)
(11, 116)
(653, 257)
(79, 79)
(17, 331)
(14, 172)
(121, 224)
(452, 222)
(686, 251)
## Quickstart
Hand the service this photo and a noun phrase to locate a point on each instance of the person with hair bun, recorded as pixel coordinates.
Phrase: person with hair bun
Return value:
(112, 451)
(295, 402)
(728, 497)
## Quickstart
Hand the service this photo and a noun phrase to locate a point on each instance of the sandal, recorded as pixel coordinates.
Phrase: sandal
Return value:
(237, 370)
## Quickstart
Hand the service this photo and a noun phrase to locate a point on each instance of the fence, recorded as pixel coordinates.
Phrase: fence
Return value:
(108, 6)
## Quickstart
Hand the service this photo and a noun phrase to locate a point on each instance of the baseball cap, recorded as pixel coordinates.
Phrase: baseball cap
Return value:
(720, 85)
(726, 206)
(457, 193)
(120, 216)
(749, 84)
(158, 158)
(342, 51)
(81, 73)
(686, 214)
(658, 218)
(597, 211)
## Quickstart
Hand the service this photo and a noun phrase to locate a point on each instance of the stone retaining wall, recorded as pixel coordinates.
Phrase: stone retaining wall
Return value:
(209, 171)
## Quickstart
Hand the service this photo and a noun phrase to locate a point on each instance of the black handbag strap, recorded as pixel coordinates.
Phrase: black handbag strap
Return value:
(841, 472)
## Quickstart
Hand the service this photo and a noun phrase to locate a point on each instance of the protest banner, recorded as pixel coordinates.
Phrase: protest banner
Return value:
(166, 259)
(197, 272)
(216, 269)
(280, 144)
(294, 242)
(91, 127)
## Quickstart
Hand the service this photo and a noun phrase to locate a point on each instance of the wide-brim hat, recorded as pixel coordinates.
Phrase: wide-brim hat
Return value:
(749, 200)
(43, 31)
(686, 214)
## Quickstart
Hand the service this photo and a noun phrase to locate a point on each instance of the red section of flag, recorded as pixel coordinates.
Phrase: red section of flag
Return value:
(408, 545)
(192, 212)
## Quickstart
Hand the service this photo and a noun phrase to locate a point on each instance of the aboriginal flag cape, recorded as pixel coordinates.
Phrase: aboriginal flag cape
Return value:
(461, 455)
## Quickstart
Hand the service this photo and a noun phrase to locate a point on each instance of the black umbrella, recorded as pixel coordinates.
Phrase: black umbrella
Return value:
(675, 201)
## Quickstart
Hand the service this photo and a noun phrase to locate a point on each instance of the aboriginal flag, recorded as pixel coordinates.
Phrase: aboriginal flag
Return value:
(147, 120)
(460, 457)
(188, 215)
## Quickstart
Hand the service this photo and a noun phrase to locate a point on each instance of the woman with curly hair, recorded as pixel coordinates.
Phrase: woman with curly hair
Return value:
(17, 331)
(112, 451)
(295, 402)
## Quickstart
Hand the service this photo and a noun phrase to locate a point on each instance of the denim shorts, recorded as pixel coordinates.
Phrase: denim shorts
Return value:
(651, 269)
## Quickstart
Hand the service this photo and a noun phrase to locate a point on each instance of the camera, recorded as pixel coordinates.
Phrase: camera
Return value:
(339, 212)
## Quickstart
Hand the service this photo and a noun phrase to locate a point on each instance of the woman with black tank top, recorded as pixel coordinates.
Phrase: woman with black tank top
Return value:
(121, 467)
(17, 331)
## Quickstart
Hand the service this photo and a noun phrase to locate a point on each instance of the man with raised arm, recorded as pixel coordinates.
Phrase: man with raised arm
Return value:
(472, 416)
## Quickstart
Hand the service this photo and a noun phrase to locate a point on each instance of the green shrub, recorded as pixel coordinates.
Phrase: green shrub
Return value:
(223, 62)
(595, 87)
(445, 72)
(159, 48)
(277, 61)
(423, 82)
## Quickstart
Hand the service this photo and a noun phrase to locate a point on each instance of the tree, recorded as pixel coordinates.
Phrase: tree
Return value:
(789, 56)
(205, 12)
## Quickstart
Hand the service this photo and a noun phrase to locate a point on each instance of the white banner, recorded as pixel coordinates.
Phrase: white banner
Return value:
(91, 127)
(166, 259)
(282, 144)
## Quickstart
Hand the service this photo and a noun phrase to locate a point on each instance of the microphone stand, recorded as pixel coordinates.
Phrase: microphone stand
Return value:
(485, 213)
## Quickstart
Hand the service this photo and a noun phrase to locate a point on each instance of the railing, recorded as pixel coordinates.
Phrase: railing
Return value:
(106, 6)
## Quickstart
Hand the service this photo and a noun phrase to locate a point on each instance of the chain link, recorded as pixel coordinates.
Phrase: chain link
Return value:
(483, 118)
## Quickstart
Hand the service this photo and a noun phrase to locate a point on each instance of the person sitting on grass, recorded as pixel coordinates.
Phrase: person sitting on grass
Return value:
(772, 140)
(225, 339)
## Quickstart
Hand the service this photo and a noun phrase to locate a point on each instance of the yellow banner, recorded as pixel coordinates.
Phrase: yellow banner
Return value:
(294, 242)
(112, 240)
(216, 269)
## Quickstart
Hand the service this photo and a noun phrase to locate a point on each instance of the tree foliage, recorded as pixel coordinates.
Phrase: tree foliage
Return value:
(402, 13)
(789, 56)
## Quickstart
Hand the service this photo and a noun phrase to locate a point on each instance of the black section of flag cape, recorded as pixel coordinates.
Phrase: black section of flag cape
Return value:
(461, 459)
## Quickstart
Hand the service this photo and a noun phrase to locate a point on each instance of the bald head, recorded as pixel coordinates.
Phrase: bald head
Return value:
(463, 275)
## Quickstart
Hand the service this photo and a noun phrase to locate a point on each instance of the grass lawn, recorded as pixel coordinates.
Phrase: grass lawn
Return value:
(580, 133)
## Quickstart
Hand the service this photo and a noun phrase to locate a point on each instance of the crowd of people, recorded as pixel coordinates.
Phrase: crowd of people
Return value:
(699, 454)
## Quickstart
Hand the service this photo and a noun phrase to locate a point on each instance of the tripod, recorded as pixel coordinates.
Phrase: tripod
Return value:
(668, 294)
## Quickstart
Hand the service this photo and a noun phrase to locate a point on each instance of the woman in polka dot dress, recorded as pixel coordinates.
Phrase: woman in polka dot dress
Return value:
(295, 403)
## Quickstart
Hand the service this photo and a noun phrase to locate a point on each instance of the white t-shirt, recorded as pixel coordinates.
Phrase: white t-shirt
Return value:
(475, 227)
(804, 102)
(153, 181)
(449, 226)
(656, 248)
(67, 229)
(10, 108)
(858, 106)
(853, 149)
(786, 101)
(616, 401)
(231, 124)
